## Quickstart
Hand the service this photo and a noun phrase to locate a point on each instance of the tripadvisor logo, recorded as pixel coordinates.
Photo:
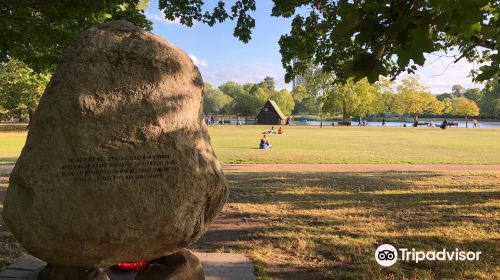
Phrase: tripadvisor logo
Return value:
(387, 255)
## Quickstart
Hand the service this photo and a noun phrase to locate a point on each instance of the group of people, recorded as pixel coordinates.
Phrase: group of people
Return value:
(211, 120)
(363, 122)
(264, 142)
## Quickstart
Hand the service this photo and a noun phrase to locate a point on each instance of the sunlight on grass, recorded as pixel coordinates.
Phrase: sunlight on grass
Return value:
(329, 224)
(358, 145)
(336, 145)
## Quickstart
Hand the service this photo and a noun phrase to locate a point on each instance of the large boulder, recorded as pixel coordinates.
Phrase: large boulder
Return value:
(118, 164)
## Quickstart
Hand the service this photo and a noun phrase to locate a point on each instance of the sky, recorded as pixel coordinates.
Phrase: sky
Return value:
(222, 57)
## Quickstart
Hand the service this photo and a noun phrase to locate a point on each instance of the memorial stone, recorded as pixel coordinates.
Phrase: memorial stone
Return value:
(118, 164)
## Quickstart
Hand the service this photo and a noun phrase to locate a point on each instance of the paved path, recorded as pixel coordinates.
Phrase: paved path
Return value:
(370, 167)
(351, 167)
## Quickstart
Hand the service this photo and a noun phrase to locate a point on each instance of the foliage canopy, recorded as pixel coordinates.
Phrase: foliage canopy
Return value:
(364, 38)
(37, 32)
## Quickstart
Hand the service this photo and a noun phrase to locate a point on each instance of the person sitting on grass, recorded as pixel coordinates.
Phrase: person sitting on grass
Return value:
(280, 130)
(264, 143)
(271, 131)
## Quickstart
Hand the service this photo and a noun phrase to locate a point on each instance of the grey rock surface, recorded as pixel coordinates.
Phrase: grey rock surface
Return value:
(118, 164)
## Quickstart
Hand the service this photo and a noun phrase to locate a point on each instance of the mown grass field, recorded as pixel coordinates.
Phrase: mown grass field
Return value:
(358, 145)
(302, 144)
(328, 225)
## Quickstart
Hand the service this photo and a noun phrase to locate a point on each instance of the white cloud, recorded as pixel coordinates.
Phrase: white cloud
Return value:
(244, 73)
(440, 73)
(157, 17)
(198, 62)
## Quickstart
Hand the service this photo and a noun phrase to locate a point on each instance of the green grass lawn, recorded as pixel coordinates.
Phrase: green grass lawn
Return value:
(358, 145)
(328, 225)
(11, 144)
(301, 144)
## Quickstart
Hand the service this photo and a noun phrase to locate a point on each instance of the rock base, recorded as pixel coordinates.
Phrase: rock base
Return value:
(183, 265)
(54, 272)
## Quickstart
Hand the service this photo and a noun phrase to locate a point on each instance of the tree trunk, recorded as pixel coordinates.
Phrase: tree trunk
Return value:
(344, 113)
(466, 122)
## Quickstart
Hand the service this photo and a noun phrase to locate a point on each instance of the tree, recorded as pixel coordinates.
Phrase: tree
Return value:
(467, 108)
(490, 101)
(247, 105)
(307, 105)
(414, 99)
(261, 93)
(232, 89)
(457, 90)
(299, 93)
(247, 87)
(352, 98)
(365, 38)
(284, 100)
(37, 32)
(20, 89)
(268, 83)
(207, 86)
(473, 94)
(385, 90)
(443, 96)
(216, 102)
(304, 103)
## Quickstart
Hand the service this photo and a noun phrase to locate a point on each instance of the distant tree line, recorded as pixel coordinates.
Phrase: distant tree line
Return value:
(245, 99)
(319, 94)
(21, 88)
(387, 98)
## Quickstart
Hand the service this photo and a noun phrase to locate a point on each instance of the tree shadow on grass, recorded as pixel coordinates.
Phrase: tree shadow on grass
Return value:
(329, 224)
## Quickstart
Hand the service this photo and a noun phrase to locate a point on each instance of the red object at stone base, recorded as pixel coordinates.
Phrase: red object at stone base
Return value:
(129, 266)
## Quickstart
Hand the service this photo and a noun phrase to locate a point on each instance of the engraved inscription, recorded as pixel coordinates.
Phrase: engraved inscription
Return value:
(112, 168)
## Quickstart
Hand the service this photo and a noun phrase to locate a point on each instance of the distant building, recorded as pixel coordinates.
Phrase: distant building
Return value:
(298, 80)
(271, 114)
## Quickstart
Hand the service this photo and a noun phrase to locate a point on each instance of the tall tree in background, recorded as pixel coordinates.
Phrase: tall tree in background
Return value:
(457, 90)
(365, 38)
(284, 100)
(268, 83)
(473, 94)
(232, 89)
(304, 102)
(467, 108)
(262, 94)
(216, 102)
(20, 89)
(352, 98)
(385, 91)
(247, 105)
(490, 101)
(414, 99)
